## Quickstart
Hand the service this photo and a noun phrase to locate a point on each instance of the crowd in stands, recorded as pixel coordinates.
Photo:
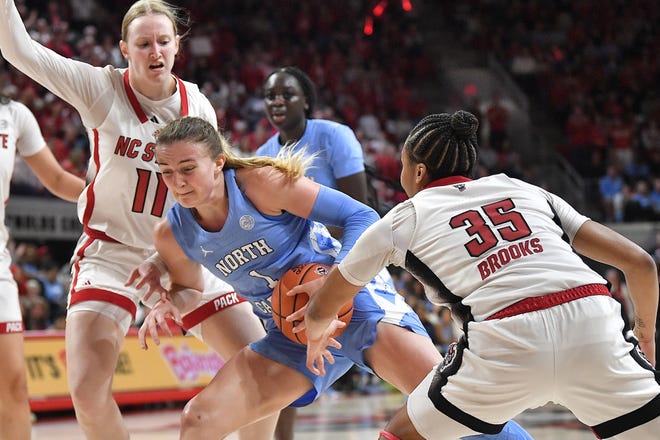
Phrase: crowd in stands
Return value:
(363, 82)
(594, 67)
(591, 63)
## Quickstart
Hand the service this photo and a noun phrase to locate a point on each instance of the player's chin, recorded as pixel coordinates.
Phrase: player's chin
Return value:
(186, 200)
(277, 120)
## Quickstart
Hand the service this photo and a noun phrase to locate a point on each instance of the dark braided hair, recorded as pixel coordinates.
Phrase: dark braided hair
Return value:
(306, 84)
(446, 144)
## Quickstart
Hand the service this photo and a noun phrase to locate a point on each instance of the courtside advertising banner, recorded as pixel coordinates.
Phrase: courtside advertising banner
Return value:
(175, 370)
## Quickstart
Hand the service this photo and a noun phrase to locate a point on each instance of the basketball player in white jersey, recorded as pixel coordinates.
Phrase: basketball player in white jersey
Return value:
(122, 109)
(539, 324)
(20, 134)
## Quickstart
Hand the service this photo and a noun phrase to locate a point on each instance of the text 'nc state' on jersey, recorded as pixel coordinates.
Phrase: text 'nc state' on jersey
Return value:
(132, 148)
(246, 253)
(504, 256)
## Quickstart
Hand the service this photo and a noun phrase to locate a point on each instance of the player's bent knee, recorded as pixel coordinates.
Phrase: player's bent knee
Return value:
(15, 389)
(198, 413)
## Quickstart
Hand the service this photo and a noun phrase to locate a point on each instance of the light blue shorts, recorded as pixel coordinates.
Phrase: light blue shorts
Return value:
(377, 301)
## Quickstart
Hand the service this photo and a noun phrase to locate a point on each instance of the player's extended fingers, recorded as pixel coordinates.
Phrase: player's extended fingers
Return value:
(148, 294)
(316, 365)
(328, 356)
(298, 289)
(332, 342)
(142, 337)
(162, 323)
(298, 315)
(176, 315)
(153, 331)
(132, 277)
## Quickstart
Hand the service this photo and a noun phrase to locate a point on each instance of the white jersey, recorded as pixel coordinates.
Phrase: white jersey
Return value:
(19, 133)
(486, 243)
(126, 196)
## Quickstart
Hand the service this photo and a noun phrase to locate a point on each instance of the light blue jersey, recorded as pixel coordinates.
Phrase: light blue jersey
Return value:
(252, 251)
(338, 152)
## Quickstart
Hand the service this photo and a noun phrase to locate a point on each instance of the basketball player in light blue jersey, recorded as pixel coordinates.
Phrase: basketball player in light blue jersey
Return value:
(338, 161)
(289, 101)
(248, 221)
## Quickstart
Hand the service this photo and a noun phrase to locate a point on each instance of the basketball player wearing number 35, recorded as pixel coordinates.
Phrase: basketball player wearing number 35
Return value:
(122, 109)
(539, 325)
(249, 220)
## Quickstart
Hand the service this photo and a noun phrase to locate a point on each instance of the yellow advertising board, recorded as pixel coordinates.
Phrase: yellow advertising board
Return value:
(179, 363)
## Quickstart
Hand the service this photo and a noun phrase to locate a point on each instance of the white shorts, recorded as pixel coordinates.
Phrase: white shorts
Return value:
(573, 354)
(11, 319)
(100, 269)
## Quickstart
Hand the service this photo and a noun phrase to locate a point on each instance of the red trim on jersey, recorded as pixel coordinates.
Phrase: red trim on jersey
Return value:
(184, 97)
(137, 108)
(550, 300)
(218, 304)
(11, 327)
(93, 294)
(78, 296)
(98, 235)
(447, 181)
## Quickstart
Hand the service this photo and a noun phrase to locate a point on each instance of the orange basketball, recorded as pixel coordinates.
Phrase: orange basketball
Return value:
(284, 305)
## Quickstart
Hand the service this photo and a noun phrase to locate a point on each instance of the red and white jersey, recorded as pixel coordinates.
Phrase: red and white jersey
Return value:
(487, 243)
(126, 195)
(19, 133)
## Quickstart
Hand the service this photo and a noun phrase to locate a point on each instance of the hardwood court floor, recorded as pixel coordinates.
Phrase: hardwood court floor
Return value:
(334, 416)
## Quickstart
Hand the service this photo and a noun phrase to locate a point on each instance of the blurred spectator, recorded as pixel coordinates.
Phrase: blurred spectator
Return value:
(650, 136)
(637, 205)
(578, 131)
(53, 290)
(498, 117)
(446, 329)
(35, 306)
(611, 194)
(58, 41)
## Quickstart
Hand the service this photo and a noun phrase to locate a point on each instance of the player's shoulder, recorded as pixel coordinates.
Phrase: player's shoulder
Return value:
(270, 147)
(502, 179)
(327, 125)
(16, 111)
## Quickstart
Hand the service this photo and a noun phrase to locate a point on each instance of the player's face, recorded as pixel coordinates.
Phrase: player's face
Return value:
(189, 172)
(285, 101)
(151, 47)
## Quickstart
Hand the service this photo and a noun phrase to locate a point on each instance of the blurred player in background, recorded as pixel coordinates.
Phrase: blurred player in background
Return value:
(20, 134)
(290, 100)
(122, 110)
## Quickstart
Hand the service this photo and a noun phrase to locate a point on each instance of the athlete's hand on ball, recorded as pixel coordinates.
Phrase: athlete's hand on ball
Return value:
(157, 318)
(147, 274)
(310, 287)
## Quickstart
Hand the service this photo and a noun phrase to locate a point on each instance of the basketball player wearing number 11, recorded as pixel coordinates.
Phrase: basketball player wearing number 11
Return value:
(122, 110)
